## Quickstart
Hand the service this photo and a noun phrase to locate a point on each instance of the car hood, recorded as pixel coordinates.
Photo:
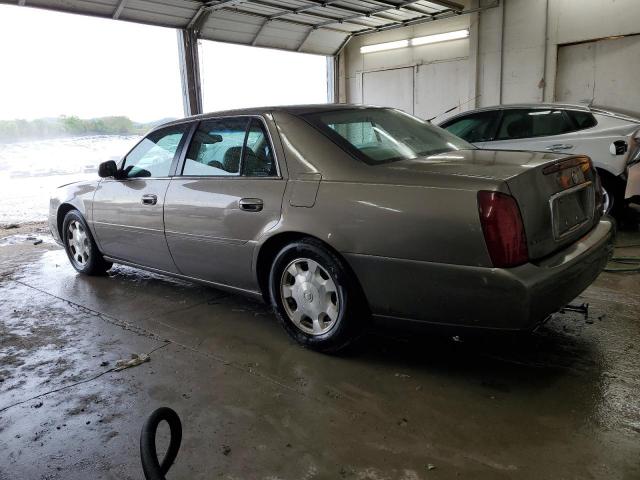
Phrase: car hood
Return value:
(488, 164)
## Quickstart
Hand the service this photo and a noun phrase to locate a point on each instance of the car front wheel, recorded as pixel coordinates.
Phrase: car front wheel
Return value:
(81, 247)
(315, 296)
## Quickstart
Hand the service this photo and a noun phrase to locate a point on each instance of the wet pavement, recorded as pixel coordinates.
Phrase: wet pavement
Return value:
(563, 403)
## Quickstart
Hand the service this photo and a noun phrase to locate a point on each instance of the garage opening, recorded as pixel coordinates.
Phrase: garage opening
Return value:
(86, 101)
(238, 76)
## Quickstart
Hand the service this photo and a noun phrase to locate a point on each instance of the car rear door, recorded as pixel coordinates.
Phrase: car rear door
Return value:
(539, 129)
(227, 194)
(128, 210)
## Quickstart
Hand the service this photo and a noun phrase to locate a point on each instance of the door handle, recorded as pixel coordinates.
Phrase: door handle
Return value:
(251, 204)
(560, 146)
(149, 199)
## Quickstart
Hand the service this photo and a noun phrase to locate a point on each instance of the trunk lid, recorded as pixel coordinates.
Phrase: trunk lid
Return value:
(557, 202)
(556, 194)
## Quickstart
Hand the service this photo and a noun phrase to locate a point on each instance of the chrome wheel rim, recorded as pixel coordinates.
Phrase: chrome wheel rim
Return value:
(309, 296)
(78, 243)
(606, 201)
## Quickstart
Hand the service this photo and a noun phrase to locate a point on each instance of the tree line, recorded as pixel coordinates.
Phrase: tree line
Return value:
(70, 126)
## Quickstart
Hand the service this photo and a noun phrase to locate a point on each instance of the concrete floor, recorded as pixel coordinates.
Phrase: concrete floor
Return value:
(561, 404)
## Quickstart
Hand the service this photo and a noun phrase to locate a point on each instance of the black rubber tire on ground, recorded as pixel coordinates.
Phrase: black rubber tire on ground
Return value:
(615, 189)
(95, 264)
(352, 307)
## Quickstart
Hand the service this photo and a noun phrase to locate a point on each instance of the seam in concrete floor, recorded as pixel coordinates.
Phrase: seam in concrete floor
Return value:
(144, 332)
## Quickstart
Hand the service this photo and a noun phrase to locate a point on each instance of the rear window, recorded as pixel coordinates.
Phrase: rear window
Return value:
(377, 135)
(582, 119)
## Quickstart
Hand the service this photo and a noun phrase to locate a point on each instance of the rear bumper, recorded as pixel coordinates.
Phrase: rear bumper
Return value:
(507, 299)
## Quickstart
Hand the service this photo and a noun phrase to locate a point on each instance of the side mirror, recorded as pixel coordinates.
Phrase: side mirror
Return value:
(108, 169)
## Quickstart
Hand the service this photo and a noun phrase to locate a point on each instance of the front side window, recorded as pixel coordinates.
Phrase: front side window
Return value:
(216, 148)
(153, 156)
(517, 123)
(380, 135)
(477, 127)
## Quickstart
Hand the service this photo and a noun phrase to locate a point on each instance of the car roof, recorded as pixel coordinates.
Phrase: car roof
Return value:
(595, 109)
(292, 109)
(508, 106)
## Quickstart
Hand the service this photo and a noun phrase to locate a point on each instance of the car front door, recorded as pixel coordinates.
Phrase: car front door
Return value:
(541, 129)
(128, 210)
(229, 192)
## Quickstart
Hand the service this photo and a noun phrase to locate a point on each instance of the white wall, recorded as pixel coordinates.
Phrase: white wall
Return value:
(425, 59)
(523, 71)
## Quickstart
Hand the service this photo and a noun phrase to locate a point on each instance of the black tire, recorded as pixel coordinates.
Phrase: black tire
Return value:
(89, 260)
(615, 189)
(351, 308)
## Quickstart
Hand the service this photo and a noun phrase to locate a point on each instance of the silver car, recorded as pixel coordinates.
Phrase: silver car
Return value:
(610, 138)
(339, 215)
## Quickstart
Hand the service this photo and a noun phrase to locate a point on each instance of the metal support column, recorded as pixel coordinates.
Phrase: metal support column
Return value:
(190, 62)
(190, 72)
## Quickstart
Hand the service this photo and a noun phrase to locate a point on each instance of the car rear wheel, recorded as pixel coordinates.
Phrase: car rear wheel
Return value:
(613, 190)
(315, 296)
(81, 247)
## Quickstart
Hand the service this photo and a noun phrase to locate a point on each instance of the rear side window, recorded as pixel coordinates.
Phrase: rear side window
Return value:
(477, 127)
(582, 119)
(216, 148)
(258, 158)
(153, 156)
(533, 123)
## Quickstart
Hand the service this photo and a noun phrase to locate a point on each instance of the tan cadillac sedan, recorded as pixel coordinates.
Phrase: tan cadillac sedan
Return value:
(340, 215)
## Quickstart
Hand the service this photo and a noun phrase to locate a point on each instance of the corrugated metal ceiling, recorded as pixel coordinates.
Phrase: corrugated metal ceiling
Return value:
(312, 26)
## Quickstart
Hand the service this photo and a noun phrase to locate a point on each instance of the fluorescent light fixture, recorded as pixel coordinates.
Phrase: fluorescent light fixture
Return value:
(414, 42)
(379, 47)
(440, 37)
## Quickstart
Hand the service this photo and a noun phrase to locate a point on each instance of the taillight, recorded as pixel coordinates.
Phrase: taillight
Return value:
(599, 198)
(503, 229)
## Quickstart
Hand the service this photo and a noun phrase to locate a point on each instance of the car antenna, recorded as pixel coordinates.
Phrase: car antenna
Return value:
(453, 108)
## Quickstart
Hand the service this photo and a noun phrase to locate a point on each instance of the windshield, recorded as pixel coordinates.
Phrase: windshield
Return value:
(380, 135)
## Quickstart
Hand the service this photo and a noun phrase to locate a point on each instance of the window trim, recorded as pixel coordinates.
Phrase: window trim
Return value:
(196, 124)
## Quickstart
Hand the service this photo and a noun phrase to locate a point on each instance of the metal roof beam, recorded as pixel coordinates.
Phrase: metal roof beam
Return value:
(239, 11)
(118, 11)
(448, 5)
(368, 14)
(317, 5)
(424, 19)
(255, 37)
(394, 6)
(306, 8)
(213, 6)
(304, 40)
(296, 11)
(198, 19)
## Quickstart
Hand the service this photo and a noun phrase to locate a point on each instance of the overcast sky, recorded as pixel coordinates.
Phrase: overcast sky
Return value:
(54, 64)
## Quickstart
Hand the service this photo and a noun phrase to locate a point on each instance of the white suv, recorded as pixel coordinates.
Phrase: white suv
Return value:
(611, 139)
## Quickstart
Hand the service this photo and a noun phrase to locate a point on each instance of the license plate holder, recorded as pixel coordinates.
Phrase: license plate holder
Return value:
(571, 209)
